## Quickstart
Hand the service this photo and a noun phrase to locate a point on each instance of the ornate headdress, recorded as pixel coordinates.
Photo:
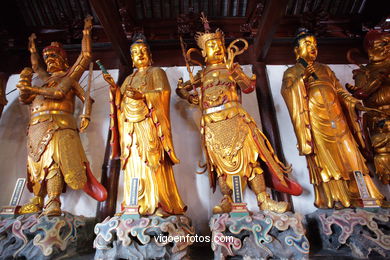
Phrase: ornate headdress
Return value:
(372, 36)
(202, 37)
(139, 38)
(57, 48)
(301, 33)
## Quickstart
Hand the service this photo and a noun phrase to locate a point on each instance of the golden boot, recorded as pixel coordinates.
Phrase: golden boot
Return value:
(34, 206)
(266, 203)
(225, 206)
(226, 203)
(54, 189)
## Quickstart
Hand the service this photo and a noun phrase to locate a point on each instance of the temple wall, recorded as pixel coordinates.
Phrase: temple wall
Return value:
(194, 188)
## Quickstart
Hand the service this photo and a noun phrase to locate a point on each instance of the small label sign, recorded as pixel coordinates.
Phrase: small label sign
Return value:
(237, 191)
(364, 194)
(134, 191)
(18, 191)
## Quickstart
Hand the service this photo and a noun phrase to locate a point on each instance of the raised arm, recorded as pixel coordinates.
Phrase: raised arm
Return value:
(35, 60)
(85, 57)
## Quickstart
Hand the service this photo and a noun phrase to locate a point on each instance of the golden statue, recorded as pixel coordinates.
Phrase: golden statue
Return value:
(55, 153)
(316, 102)
(144, 127)
(372, 85)
(233, 144)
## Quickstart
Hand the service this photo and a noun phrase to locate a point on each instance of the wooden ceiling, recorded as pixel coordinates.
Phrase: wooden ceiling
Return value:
(268, 25)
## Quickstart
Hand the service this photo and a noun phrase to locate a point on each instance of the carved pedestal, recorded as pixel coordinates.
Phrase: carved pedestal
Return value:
(260, 235)
(31, 237)
(145, 238)
(351, 232)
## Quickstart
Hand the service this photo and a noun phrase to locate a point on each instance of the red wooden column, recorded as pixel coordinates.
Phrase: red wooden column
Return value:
(273, 12)
(268, 116)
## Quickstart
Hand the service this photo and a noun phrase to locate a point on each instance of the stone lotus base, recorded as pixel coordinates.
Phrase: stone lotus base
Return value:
(355, 233)
(33, 237)
(260, 235)
(119, 238)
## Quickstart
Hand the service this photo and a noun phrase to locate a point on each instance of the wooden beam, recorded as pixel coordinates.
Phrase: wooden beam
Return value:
(274, 11)
(268, 116)
(250, 6)
(110, 20)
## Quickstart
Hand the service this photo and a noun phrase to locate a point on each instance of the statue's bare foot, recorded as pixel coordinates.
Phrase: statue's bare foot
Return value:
(266, 203)
(53, 208)
(224, 207)
(34, 206)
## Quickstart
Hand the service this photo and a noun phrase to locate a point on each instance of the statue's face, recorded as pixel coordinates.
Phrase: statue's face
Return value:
(215, 51)
(307, 49)
(140, 55)
(380, 50)
(54, 61)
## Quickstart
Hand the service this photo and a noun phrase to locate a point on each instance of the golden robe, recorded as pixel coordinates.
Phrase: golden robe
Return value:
(321, 115)
(146, 142)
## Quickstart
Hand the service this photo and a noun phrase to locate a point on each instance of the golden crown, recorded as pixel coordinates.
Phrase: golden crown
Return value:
(202, 37)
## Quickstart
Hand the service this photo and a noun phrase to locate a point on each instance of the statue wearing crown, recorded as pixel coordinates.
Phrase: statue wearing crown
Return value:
(325, 121)
(146, 148)
(372, 86)
(233, 144)
(56, 157)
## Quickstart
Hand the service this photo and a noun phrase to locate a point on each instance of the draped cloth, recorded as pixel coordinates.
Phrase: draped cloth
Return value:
(328, 134)
(146, 142)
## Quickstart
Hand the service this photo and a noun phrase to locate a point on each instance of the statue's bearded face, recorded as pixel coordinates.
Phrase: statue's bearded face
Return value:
(54, 61)
(140, 55)
(215, 51)
(380, 50)
(307, 49)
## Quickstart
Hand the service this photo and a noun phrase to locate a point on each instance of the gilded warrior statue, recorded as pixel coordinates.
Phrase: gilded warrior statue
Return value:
(144, 125)
(372, 86)
(316, 102)
(233, 144)
(55, 154)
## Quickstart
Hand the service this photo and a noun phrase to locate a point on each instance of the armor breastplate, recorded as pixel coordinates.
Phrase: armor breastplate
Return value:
(43, 104)
(218, 88)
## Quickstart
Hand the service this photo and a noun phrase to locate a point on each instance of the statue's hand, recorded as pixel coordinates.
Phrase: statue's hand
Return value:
(180, 83)
(31, 43)
(193, 99)
(134, 94)
(88, 23)
(25, 89)
(107, 77)
(309, 70)
(84, 123)
(359, 106)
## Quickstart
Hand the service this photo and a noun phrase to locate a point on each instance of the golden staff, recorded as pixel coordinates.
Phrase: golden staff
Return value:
(114, 141)
(87, 94)
(183, 50)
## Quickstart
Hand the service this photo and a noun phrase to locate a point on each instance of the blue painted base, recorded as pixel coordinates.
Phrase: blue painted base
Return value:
(261, 235)
(150, 237)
